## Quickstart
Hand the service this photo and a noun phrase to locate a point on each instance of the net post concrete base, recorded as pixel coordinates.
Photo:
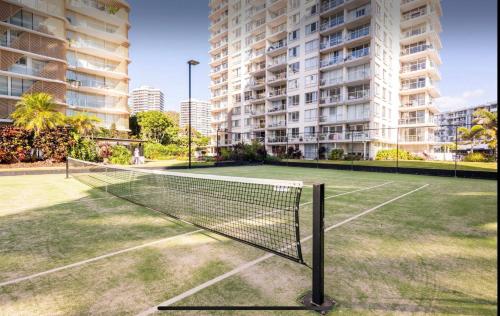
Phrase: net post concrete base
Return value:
(328, 303)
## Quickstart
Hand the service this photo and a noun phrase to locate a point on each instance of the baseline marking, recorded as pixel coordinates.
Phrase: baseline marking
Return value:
(247, 265)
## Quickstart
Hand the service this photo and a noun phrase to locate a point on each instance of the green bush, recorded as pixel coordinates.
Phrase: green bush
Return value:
(336, 154)
(85, 149)
(254, 152)
(120, 155)
(156, 151)
(53, 144)
(475, 157)
(393, 154)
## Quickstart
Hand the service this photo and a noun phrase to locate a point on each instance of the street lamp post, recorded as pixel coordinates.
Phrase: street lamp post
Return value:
(191, 62)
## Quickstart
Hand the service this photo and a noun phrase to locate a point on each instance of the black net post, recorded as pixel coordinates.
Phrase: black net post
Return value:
(317, 296)
(217, 145)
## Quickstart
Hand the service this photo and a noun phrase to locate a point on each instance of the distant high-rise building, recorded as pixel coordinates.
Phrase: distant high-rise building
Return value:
(146, 99)
(77, 51)
(325, 74)
(449, 121)
(200, 117)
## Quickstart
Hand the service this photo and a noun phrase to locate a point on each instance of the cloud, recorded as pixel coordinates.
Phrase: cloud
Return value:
(468, 98)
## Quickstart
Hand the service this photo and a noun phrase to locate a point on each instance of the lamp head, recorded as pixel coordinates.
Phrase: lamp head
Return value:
(193, 62)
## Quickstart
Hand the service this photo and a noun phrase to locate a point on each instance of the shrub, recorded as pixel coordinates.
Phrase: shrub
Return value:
(393, 154)
(54, 143)
(105, 151)
(120, 155)
(158, 151)
(254, 152)
(85, 149)
(352, 157)
(15, 144)
(475, 157)
(293, 153)
(336, 154)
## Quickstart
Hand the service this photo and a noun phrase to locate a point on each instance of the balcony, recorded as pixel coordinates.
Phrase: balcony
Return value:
(358, 54)
(330, 82)
(109, 13)
(358, 76)
(43, 6)
(277, 109)
(358, 95)
(416, 139)
(330, 44)
(330, 5)
(277, 64)
(277, 14)
(278, 93)
(358, 14)
(259, 126)
(331, 24)
(278, 78)
(359, 33)
(257, 113)
(332, 99)
(332, 61)
(277, 124)
(417, 120)
(277, 139)
(258, 69)
(416, 49)
(277, 47)
(255, 84)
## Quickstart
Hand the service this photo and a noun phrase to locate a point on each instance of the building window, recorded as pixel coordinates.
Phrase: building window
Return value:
(294, 100)
(293, 35)
(293, 52)
(311, 63)
(293, 116)
(311, 97)
(312, 46)
(311, 80)
(293, 84)
(295, 67)
(311, 28)
(4, 85)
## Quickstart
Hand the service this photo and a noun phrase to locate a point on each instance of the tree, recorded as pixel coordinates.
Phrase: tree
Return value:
(489, 122)
(174, 116)
(135, 129)
(37, 112)
(471, 135)
(83, 124)
(156, 126)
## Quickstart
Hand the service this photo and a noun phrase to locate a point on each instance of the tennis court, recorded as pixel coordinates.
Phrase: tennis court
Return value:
(394, 244)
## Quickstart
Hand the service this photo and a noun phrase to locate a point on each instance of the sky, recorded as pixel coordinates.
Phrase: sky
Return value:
(165, 34)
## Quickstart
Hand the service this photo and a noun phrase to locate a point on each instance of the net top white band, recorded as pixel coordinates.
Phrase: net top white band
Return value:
(278, 183)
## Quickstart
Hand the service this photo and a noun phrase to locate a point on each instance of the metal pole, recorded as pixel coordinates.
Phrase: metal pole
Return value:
(317, 149)
(67, 166)
(456, 149)
(318, 280)
(352, 150)
(397, 149)
(217, 146)
(189, 115)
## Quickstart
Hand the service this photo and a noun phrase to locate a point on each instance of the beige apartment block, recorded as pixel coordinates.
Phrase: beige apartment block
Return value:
(200, 115)
(320, 75)
(76, 50)
(146, 98)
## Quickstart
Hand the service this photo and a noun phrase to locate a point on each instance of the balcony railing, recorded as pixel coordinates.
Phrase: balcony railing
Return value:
(277, 124)
(358, 13)
(331, 43)
(257, 112)
(331, 4)
(416, 139)
(331, 23)
(277, 109)
(277, 139)
(413, 67)
(331, 61)
(413, 85)
(413, 14)
(356, 95)
(330, 81)
(331, 99)
(414, 103)
(277, 14)
(358, 33)
(416, 120)
(358, 75)
(277, 77)
(278, 92)
(416, 49)
(277, 45)
(360, 53)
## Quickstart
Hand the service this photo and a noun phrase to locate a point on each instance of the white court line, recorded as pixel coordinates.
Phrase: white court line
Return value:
(242, 267)
(76, 264)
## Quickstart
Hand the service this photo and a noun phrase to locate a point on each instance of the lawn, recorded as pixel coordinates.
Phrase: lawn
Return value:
(432, 250)
(447, 165)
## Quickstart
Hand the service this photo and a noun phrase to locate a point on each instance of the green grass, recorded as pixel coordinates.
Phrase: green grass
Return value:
(433, 251)
(447, 165)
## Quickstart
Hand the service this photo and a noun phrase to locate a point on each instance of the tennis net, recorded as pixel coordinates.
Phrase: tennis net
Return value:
(259, 212)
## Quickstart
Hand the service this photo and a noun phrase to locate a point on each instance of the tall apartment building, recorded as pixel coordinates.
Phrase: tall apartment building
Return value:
(146, 99)
(75, 50)
(324, 74)
(200, 116)
(450, 120)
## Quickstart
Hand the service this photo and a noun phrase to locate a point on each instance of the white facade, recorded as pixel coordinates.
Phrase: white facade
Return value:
(146, 99)
(200, 115)
(324, 74)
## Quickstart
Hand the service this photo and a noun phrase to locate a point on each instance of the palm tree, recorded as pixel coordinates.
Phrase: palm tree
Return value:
(471, 134)
(489, 121)
(37, 112)
(83, 124)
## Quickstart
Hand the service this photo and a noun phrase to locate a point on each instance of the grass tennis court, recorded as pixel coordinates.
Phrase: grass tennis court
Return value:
(427, 244)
